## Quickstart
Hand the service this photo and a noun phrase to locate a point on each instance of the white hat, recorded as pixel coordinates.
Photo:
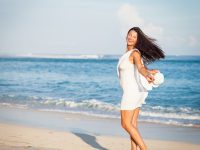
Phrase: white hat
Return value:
(158, 79)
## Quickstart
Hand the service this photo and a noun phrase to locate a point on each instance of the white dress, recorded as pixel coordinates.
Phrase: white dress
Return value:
(134, 94)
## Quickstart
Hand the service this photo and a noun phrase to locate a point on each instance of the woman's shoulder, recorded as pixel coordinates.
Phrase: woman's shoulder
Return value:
(135, 52)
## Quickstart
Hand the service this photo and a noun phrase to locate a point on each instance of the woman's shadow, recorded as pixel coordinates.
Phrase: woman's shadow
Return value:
(89, 139)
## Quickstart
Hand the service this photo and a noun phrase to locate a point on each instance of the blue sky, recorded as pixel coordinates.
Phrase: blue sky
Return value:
(96, 26)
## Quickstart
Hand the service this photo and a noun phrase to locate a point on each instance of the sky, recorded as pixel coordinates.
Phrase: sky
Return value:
(96, 26)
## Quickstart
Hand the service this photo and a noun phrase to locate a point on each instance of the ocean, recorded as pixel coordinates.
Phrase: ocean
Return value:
(89, 85)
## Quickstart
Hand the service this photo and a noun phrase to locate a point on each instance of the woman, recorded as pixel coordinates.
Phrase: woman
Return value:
(141, 50)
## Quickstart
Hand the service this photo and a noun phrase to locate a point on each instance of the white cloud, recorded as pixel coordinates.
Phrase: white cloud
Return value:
(151, 29)
(129, 17)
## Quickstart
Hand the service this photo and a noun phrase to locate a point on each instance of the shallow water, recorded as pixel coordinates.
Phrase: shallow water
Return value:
(91, 86)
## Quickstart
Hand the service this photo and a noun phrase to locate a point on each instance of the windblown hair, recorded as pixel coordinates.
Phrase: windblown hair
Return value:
(149, 50)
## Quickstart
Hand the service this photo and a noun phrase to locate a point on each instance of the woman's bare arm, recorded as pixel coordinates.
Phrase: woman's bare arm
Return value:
(141, 67)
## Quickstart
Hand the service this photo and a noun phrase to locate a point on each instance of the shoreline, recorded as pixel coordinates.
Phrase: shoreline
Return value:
(97, 126)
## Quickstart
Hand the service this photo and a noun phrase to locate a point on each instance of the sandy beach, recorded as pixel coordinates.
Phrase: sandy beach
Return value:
(18, 137)
(38, 130)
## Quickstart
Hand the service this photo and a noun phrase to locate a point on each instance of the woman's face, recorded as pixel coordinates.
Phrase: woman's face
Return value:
(131, 38)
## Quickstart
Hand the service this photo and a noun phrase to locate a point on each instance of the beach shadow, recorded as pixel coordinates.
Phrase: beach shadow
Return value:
(89, 139)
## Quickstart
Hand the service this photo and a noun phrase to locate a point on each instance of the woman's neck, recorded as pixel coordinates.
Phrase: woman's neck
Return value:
(129, 48)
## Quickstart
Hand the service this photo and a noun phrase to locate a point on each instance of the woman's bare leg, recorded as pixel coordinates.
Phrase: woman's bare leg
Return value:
(134, 123)
(126, 119)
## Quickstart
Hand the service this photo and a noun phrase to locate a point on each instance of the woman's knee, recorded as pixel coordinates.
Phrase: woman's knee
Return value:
(134, 123)
(126, 125)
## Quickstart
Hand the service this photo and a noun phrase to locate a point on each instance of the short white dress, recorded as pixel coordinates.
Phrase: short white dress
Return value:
(134, 94)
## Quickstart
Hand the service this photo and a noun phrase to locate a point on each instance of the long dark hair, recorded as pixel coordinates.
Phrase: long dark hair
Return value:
(149, 50)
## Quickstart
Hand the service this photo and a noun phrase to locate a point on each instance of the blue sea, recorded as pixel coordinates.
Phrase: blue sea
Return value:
(89, 85)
